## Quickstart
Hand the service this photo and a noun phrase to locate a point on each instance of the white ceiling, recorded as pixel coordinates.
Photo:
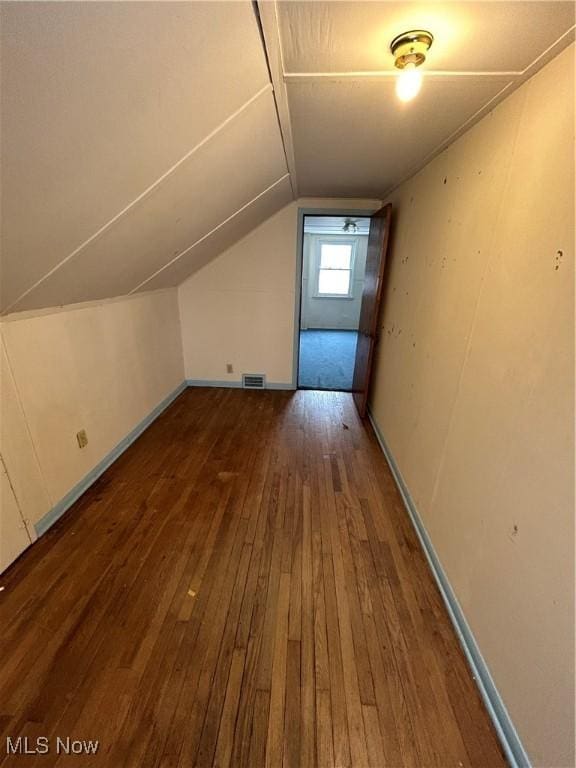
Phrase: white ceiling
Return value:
(321, 37)
(325, 225)
(351, 135)
(141, 139)
(129, 132)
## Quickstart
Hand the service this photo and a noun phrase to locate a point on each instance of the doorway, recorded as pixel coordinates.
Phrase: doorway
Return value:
(333, 261)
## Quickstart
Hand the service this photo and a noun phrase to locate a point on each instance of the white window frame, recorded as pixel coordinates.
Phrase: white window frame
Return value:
(334, 240)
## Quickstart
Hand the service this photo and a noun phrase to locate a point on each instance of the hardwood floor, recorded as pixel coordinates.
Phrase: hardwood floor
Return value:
(241, 588)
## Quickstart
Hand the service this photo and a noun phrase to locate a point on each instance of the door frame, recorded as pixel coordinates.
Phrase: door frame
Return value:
(378, 243)
(302, 212)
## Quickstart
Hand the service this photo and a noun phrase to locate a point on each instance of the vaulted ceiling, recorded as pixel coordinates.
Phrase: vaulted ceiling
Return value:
(139, 140)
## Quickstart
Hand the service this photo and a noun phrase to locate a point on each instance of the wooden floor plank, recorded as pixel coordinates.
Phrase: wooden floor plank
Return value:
(241, 588)
(275, 740)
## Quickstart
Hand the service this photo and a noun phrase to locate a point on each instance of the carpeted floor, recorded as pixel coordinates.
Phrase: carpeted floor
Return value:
(327, 359)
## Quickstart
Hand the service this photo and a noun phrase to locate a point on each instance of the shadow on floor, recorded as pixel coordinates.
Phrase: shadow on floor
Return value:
(327, 359)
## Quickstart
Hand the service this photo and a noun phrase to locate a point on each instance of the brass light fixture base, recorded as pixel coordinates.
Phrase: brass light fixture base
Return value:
(411, 47)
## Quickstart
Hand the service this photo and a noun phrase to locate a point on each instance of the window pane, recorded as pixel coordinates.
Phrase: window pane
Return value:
(335, 256)
(334, 281)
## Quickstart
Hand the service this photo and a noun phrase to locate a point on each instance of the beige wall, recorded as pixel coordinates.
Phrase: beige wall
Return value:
(239, 308)
(473, 389)
(322, 312)
(14, 536)
(102, 367)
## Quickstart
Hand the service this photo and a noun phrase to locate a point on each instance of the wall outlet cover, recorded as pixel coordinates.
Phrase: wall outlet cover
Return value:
(82, 438)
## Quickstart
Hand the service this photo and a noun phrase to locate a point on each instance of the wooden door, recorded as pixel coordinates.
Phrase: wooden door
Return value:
(370, 308)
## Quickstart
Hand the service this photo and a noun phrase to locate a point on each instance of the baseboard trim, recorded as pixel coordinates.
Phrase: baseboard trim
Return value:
(65, 503)
(314, 328)
(503, 724)
(73, 495)
(234, 384)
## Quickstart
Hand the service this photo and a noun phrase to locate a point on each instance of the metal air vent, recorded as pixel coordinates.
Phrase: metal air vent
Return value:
(253, 381)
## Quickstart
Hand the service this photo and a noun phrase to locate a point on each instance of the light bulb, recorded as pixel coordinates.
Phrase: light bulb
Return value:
(409, 82)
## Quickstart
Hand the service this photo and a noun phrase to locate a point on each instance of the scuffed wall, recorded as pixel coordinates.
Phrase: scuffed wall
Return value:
(473, 389)
(102, 367)
(239, 308)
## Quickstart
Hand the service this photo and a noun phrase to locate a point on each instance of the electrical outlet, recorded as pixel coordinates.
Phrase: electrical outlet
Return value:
(82, 438)
(229, 368)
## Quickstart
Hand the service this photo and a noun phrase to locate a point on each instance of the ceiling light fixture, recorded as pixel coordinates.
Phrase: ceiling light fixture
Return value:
(409, 50)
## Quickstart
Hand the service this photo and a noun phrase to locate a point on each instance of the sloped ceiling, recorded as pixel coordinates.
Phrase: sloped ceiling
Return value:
(140, 139)
(130, 133)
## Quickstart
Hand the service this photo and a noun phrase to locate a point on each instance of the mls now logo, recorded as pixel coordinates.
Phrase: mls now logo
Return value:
(25, 746)
(41, 746)
(70, 746)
